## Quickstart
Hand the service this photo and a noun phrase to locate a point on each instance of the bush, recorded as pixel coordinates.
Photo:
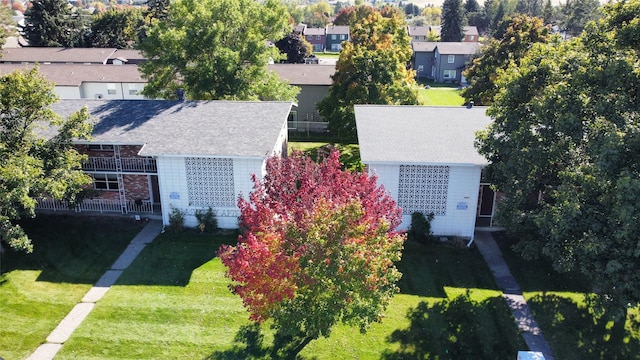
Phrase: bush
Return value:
(176, 221)
(207, 221)
(420, 229)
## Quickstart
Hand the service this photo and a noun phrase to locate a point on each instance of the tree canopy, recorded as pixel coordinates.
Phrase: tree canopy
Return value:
(53, 23)
(453, 21)
(371, 69)
(216, 49)
(521, 33)
(563, 149)
(32, 166)
(317, 248)
(295, 47)
(118, 28)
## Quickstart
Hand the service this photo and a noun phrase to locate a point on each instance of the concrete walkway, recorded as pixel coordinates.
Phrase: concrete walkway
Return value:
(68, 325)
(511, 291)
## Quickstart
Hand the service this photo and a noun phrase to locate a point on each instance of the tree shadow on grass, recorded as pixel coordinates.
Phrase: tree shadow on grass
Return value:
(575, 333)
(71, 249)
(249, 345)
(427, 269)
(458, 328)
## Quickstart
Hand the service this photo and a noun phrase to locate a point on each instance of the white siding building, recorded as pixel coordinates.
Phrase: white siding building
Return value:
(425, 158)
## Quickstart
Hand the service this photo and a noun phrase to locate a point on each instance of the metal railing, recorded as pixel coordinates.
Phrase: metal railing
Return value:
(96, 205)
(308, 126)
(146, 165)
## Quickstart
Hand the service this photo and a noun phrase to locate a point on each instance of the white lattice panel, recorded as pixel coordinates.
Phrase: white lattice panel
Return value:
(210, 182)
(423, 188)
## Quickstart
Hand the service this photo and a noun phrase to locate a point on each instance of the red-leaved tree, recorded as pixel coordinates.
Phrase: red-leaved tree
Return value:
(317, 247)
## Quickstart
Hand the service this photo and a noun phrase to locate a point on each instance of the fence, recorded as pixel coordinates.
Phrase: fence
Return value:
(128, 164)
(96, 205)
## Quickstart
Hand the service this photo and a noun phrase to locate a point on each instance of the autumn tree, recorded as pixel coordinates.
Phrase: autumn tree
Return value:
(317, 15)
(371, 69)
(216, 49)
(453, 21)
(521, 33)
(432, 15)
(118, 28)
(351, 15)
(295, 47)
(563, 149)
(30, 165)
(317, 248)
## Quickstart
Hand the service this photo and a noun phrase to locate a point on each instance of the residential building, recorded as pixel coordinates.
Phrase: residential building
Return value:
(418, 33)
(423, 60)
(442, 61)
(470, 34)
(426, 159)
(155, 156)
(336, 34)
(56, 55)
(317, 37)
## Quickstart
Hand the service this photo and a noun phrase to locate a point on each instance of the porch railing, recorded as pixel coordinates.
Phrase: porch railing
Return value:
(96, 205)
(135, 164)
(308, 126)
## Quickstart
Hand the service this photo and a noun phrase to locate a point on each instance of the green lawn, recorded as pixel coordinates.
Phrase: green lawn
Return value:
(568, 322)
(441, 96)
(174, 302)
(39, 289)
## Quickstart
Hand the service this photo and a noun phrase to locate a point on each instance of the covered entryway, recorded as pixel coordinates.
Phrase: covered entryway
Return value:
(486, 206)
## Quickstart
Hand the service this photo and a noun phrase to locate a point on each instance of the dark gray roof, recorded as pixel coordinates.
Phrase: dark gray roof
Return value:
(419, 134)
(470, 30)
(189, 128)
(304, 74)
(314, 31)
(458, 48)
(56, 55)
(76, 74)
(424, 46)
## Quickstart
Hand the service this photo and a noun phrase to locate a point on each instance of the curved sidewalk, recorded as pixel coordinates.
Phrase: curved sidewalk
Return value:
(68, 325)
(511, 291)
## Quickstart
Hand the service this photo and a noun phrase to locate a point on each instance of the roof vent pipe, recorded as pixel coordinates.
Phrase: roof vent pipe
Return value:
(470, 104)
(180, 94)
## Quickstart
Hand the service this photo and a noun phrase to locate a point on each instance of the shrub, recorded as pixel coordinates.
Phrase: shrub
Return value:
(420, 229)
(207, 221)
(176, 221)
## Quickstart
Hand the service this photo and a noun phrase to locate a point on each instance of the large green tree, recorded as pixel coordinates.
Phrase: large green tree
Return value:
(30, 165)
(118, 28)
(372, 69)
(563, 148)
(295, 47)
(53, 23)
(453, 21)
(216, 49)
(521, 33)
(575, 14)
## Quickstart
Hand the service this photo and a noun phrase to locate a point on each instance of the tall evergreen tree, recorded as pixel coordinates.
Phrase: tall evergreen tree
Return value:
(119, 28)
(50, 23)
(471, 6)
(453, 21)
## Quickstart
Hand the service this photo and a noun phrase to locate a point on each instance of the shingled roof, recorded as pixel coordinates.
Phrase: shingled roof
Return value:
(304, 74)
(189, 128)
(76, 74)
(419, 134)
(56, 55)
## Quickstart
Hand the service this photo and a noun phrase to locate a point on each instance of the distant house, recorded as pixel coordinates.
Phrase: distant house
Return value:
(154, 156)
(450, 59)
(442, 61)
(423, 60)
(317, 37)
(314, 82)
(470, 34)
(336, 34)
(427, 161)
(418, 33)
(93, 81)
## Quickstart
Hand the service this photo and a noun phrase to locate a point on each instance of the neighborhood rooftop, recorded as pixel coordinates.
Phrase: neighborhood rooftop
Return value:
(419, 134)
(458, 48)
(189, 128)
(76, 74)
(301, 74)
(57, 55)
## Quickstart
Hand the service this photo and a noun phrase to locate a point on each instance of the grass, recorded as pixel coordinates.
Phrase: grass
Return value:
(349, 153)
(38, 290)
(570, 324)
(174, 302)
(441, 96)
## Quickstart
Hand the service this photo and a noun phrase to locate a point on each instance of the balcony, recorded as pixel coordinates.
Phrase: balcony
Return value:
(135, 164)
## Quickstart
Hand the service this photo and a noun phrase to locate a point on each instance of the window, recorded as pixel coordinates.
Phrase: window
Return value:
(449, 74)
(318, 37)
(309, 37)
(451, 59)
(423, 188)
(111, 89)
(100, 147)
(420, 67)
(343, 37)
(334, 37)
(472, 37)
(105, 181)
(133, 89)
